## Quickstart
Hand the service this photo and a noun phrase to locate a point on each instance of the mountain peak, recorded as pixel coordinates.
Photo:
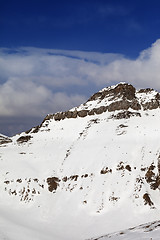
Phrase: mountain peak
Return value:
(122, 96)
(124, 90)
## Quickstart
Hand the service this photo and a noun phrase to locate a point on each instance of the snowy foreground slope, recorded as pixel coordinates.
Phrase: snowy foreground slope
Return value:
(85, 173)
(147, 231)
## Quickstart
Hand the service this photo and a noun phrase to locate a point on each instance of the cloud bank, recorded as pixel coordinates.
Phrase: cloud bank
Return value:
(35, 82)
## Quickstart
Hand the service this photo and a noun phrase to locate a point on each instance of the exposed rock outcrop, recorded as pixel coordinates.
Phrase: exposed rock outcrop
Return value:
(24, 139)
(52, 183)
(125, 114)
(126, 91)
(122, 97)
(4, 140)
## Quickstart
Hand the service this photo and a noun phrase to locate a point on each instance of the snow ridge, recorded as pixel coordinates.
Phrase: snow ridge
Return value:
(122, 96)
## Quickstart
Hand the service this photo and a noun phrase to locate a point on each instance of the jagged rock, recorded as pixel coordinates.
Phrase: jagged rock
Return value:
(95, 96)
(4, 140)
(105, 170)
(48, 117)
(121, 97)
(151, 105)
(83, 113)
(59, 116)
(157, 97)
(151, 178)
(68, 114)
(135, 105)
(91, 112)
(126, 91)
(100, 110)
(119, 105)
(146, 90)
(147, 199)
(126, 114)
(36, 129)
(74, 114)
(74, 177)
(52, 183)
(24, 139)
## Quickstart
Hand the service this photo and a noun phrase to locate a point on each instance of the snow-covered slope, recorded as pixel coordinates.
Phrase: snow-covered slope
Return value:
(86, 172)
(148, 231)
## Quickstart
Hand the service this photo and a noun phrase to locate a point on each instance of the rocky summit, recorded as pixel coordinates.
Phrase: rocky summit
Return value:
(88, 173)
(120, 97)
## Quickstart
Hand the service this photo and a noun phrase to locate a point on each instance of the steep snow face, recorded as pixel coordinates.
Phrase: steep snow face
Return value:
(84, 176)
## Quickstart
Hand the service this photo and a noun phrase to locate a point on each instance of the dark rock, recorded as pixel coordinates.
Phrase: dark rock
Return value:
(65, 179)
(122, 96)
(74, 114)
(74, 177)
(52, 183)
(59, 116)
(48, 117)
(36, 129)
(5, 140)
(91, 112)
(122, 126)
(28, 131)
(119, 105)
(100, 110)
(24, 139)
(68, 114)
(157, 97)
(128, 167)
(19, 180)
(83, 113)
(147, 90)
(120, 166)
(106, 170)
(126, 114)
(151, 105)
(6, 182)
(151, 178)
(135, 105)
(95, 96)
(84, 176)
(147, 199)
(126, 91)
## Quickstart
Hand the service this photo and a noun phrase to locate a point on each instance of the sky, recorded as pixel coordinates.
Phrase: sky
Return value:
(55, 54)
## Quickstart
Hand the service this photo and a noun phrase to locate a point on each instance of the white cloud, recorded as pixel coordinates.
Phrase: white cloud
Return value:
(25, 98)
(34, 82)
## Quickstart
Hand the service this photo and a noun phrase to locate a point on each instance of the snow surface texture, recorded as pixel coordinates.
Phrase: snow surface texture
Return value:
(82, 177)
(147, 231)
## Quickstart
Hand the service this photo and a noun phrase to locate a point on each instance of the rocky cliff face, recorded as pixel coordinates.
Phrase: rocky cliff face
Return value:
(4, 139)
(122, 97)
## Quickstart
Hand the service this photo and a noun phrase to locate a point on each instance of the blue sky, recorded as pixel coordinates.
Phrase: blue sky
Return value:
(117, 26)
(55, 54)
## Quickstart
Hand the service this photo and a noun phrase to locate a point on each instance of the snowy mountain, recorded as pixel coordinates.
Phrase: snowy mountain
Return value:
(84, 173)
